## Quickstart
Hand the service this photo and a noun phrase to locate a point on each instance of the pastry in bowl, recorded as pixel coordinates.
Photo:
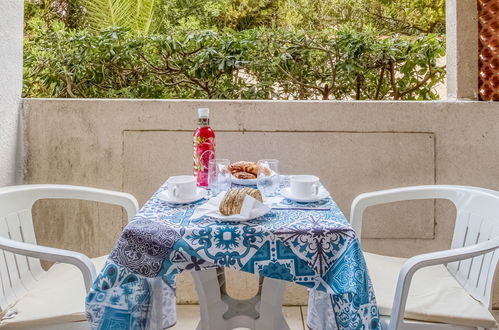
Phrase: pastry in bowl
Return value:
(244, 175)
(246, 170)
(234, 198)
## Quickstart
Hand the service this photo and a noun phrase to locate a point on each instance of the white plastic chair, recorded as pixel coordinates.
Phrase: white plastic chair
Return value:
(471, 262)
(22, 278)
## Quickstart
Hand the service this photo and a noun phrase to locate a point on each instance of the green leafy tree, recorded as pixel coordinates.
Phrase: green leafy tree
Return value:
(136, 15)
(234, 49)
(248, 14)
(69, 12)
(184, 16)
(191, 15)
(204, 63)
(347, 64)
(251, 64)
(407, 16)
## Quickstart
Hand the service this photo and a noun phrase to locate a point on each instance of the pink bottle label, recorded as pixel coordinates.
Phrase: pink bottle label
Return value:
(204, 150)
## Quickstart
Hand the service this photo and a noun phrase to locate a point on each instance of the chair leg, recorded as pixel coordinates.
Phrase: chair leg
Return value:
(219, 311)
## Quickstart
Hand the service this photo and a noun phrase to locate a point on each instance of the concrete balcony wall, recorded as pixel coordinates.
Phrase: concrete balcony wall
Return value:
(355, 147)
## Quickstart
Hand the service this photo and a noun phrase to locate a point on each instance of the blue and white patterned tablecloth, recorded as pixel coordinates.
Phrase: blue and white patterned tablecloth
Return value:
(316, 248)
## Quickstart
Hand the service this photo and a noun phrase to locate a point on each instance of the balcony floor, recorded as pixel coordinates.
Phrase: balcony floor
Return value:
(188, 317)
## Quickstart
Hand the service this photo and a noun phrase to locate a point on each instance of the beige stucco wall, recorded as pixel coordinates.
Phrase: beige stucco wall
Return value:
(134, 145)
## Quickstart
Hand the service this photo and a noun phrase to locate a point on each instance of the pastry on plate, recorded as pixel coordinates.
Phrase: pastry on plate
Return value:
(234, 198)
(244, 175)
(246, 170)
(244, 166)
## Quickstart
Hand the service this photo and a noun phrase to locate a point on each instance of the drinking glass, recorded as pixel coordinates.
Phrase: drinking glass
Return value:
(268, 177)
(218, 176)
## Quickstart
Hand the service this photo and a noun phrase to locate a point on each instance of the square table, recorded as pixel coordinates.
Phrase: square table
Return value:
(311, 244)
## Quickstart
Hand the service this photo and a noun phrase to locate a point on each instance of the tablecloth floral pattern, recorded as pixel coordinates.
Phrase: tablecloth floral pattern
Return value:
(315, 247)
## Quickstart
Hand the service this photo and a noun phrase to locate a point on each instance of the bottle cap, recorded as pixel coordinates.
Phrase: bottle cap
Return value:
(203, 112)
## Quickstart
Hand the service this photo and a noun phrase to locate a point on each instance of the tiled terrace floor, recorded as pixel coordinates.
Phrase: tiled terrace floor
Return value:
(188, 317)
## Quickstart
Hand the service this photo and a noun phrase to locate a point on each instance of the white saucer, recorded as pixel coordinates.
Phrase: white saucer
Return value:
(286, 193)
(200, 194)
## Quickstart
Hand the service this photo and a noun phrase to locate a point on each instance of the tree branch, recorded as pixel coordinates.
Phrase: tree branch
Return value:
(299, 82)
(380, 83)
(403, 23)
(393, 82)
(427, 77)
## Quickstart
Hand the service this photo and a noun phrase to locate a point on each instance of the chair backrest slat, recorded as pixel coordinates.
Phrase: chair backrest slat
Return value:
(479, 267)
(472, 237)
(483, 279)
(28, 234)
(460, 235)
(10, 259)
(486, 280)
(14, 225)
(8, 295)
(18, 273)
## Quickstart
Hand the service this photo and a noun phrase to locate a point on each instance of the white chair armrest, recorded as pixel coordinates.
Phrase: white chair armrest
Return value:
(77, 259)
(59, 191)
(362, 201)
(430, 259)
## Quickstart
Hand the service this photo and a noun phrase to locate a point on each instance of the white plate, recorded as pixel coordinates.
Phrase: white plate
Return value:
(286, 193)
(165, 196)
(243, 182)
(211, 209)
(246, 182)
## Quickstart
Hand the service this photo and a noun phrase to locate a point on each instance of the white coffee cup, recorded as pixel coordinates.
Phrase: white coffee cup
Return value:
(304, 186)
(182, 186)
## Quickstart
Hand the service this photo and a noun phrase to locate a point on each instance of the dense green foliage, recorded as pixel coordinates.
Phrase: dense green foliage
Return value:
(136, 15)
(235, 49)
(387, 16)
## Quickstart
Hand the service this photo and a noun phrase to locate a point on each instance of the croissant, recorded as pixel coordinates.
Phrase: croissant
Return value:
(244, 166)
(234, 198)
(244, 175)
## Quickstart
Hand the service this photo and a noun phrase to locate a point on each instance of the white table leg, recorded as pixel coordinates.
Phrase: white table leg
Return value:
(219, 311)
(211, 305)
(270, 306)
